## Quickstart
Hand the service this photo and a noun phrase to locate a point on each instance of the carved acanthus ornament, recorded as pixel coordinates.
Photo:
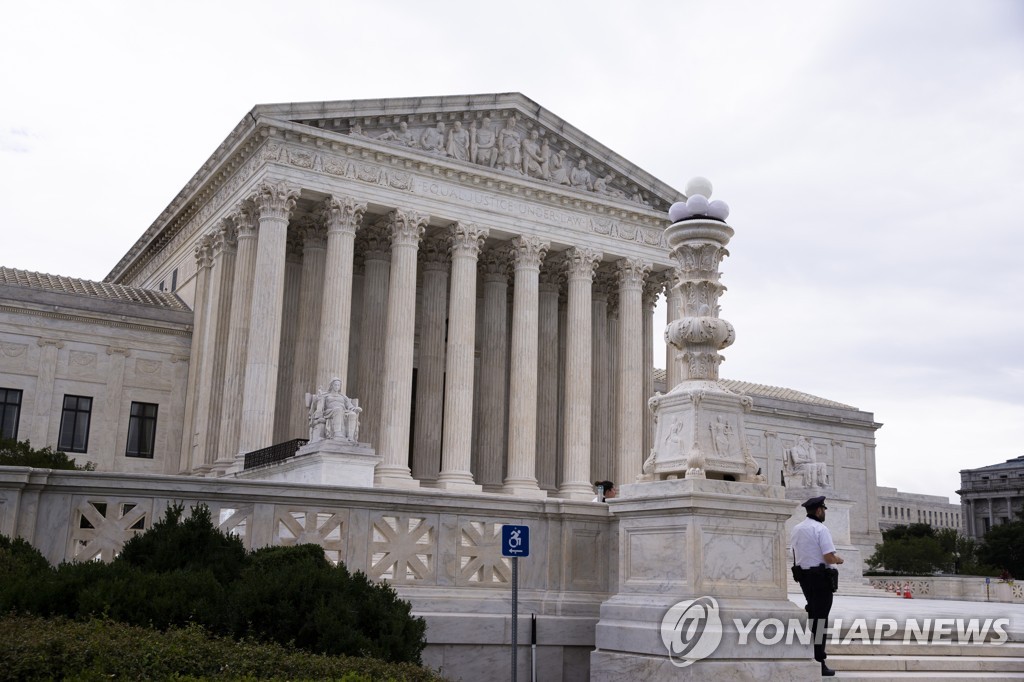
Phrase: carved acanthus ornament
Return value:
(224, 238)
(528, 251)
(605, 282)
(581, 263)
(631, 272)
(551, 273)
(374, 241)
(293, 246)
(466, 239)
(653, 287)
(313, 233)
(245, 221)
(406, 227)
(204, 252)
(342, 214)
(494, 264)
(433, 254)
(274, 200)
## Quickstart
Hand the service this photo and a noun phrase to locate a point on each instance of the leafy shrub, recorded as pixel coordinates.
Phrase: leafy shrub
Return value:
(14, 453)
(33, 648)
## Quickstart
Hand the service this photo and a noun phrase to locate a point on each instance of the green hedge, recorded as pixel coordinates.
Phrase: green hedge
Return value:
(34, 648)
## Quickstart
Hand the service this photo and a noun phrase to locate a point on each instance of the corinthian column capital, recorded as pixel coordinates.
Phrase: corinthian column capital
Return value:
(581, 263)
(494, 264)
(274, 199)
(466, 239)
(204, 252)
(652, 290)
(245, 220)
(406, 227)
(528, 251)
(433, 253)
(342, 214)
(631, 272)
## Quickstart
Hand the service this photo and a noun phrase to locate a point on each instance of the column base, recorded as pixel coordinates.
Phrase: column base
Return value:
(523, 487)
(463, 482)
(394, 477)
(581, 492)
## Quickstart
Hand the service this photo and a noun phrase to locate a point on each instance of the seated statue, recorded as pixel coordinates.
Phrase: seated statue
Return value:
(333, 415)
(800, 462)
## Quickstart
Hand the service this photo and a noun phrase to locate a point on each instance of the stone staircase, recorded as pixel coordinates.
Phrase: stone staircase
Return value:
(947, 662)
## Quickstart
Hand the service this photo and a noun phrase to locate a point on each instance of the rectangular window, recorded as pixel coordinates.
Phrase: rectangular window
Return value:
(10, 412)
(74, 424)
(174, 280)
(141, 430)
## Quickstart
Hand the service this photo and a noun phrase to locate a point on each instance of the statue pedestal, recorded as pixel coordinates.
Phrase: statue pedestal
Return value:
(323, 462)
(687, 539)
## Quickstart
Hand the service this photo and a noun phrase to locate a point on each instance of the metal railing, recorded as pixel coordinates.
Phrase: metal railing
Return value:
(273, 454)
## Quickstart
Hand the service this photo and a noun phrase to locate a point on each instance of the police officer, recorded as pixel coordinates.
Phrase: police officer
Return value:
(815, 553)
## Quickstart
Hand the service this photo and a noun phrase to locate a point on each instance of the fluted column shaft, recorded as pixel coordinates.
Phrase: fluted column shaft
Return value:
(600, 409)
(288, 345)
(673, 303)
(527, 253)
(274, 204)
(580, 265)
(376, 242)
(215, 344)
(629, 447)
(191, 451)
(457, 443)
(651, 291)
(314, 238)
(406, 230)
(547, 377)
(342, 216)
(238, 337)
(493, 370)
(426, 453)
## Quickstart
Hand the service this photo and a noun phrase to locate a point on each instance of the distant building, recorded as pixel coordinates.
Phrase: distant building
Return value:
(902, 509)
(991, 495)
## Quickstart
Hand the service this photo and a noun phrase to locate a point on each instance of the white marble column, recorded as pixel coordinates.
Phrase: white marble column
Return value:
(314, 253)
(673, 303)
(601, 412)
(521, 478)
(407, 229)
(580, 264)
(563, 326)
(221, 276)
(632, 403)
(426, 450)
(288, 345)
(375, 244)
(343, 217)
(108, 439)
(244, 220)
(191, 453)
(547, 374)
(274, 204)
(493, 370)
(457, 445)
(652, 289)
(613, 384)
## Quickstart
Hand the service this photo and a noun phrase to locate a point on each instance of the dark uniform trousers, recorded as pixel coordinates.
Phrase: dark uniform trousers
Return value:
(816, 584)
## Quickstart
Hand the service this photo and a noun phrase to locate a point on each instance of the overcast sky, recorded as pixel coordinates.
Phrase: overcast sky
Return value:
(872, 154)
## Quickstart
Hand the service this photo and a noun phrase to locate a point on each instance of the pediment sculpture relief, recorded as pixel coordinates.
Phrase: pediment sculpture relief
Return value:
(513, 147)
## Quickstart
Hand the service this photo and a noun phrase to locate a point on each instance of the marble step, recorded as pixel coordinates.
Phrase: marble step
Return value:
(1013, 650)
(865, 676)
(927, 664)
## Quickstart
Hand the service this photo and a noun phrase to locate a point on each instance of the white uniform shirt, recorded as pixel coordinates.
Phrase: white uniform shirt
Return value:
(811, 541)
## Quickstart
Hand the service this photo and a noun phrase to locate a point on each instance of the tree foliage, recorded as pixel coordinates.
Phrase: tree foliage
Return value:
(1003, 547)
(15, 453)
(186, 571)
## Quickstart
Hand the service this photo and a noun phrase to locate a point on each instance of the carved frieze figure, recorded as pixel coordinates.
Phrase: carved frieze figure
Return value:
(458, 142)
(333, 415)
(356, 130)
(533, 164)
(404, 136)
(801, 462)
(557, 168)
(603, 186)
(720, 432)
(508, 146)
(483, 143)
(432, 139)
(580, 177)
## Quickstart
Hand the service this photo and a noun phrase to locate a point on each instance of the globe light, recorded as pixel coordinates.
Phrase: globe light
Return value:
(678, 211)
(718, 209)
(697, 204)
(698, 186)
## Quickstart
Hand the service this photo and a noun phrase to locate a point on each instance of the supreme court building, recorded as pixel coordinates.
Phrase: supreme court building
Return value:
(481, 277)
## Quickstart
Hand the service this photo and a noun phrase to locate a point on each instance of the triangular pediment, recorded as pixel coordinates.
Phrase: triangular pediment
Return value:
(506, 133)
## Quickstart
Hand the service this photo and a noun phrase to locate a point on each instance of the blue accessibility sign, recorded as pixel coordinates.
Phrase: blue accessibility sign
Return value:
(515, 540)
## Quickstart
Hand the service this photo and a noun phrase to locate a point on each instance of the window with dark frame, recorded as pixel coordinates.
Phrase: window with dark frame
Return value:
(141, 430)
(10, 412)
(74, 424)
